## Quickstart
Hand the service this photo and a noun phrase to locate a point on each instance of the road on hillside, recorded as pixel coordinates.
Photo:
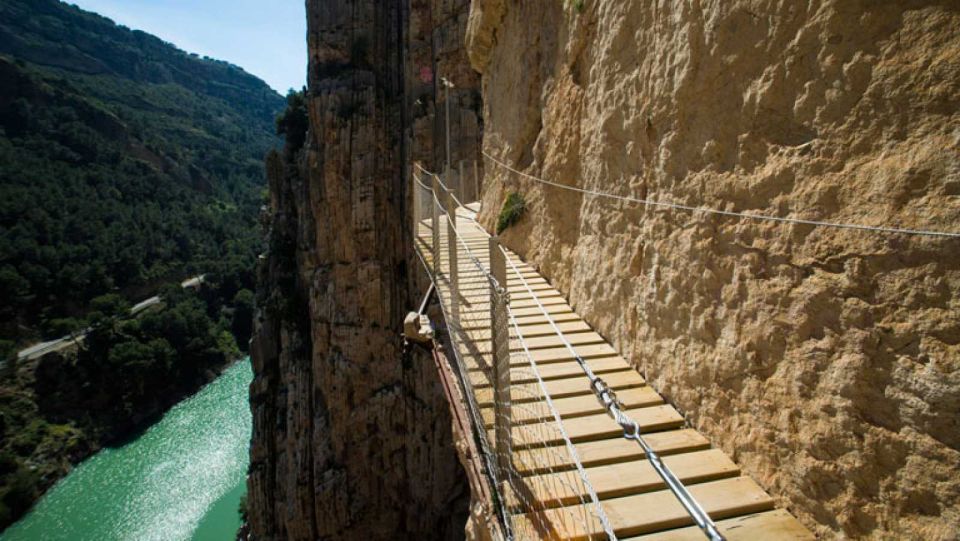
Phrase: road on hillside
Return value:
(43, 348)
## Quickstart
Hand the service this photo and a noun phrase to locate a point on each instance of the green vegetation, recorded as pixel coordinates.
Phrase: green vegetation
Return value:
(126, 165)
(294, 122)
(128, 370)
(579, 5)
(511, 212)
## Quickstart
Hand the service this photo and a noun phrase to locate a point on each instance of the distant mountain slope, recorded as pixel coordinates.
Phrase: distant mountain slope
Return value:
(124, 163)
(54, 34)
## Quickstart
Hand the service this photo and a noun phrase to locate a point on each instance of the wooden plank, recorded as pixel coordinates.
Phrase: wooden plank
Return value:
(555, 341)
(557, 312)
(627, 478)
(633, 494)
(778, 525)
(651, 512)
(617, 449)
(540, 319)
(551, 355)
(474, 283)
(519, 374)
(545, 329)
(593, 427)
(572, 368)
(585, 351)
(529, 274)
(534, 329)
(574, 406)
(579, 340)
(521, 312)
(529, 306)
(561, 388)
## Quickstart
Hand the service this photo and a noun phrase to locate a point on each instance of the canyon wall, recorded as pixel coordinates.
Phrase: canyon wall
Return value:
(351, 435)
(825, 361)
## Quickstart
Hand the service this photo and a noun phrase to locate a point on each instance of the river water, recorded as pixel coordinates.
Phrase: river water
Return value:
(182, 479)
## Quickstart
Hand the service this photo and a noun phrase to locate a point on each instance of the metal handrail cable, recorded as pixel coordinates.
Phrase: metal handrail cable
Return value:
(631, 429)
(730, 213)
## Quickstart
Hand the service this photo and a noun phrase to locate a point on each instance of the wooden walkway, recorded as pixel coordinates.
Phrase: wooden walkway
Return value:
(635, 499)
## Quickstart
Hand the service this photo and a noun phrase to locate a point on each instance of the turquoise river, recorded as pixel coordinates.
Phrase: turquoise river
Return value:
(182, 479)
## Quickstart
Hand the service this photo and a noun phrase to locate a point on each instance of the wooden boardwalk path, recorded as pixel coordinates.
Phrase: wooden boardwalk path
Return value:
(632, 494)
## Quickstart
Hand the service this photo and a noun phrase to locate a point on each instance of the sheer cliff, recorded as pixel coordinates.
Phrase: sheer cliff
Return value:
(351, 434)
(825, 361)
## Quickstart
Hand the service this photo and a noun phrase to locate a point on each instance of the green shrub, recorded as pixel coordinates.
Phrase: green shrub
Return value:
(294, 121)
(511, 212)
(19, 493)
(8, 463)
(7, 350)
(578, 5)
(59, 327)
(242, 508)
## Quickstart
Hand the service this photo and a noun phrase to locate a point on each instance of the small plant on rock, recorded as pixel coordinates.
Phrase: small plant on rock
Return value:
(511, 212)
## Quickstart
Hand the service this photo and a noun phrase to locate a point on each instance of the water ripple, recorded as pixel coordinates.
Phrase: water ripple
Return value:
(159, 486)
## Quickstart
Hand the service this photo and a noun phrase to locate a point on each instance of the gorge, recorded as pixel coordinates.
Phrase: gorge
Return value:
(182, 478)
(126, 166)
(560, 269)
(823, 361)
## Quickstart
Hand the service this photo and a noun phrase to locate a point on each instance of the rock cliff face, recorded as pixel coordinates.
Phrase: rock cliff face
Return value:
(826, 361)
(351, 436)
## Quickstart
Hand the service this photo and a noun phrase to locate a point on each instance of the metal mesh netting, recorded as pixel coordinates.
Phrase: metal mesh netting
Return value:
(542, 489)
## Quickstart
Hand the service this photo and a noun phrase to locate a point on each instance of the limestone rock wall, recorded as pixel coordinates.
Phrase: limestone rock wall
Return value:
(826, 361)
(351, 436)
(434, 51)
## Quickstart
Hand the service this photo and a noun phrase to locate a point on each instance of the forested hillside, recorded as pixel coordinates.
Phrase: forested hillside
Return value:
(125, 163)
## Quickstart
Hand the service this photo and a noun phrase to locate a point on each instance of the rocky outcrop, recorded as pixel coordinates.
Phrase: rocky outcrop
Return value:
(435, 52)
(351, 435)
(826, 361)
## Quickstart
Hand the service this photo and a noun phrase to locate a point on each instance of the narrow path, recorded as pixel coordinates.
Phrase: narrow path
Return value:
(633, 496)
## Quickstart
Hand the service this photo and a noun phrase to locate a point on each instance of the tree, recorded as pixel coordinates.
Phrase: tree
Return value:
(243, 311)
(294, 122)
(111, 305)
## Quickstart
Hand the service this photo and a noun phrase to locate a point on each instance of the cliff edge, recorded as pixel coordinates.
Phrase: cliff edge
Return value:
(825, 361)
(351, 432)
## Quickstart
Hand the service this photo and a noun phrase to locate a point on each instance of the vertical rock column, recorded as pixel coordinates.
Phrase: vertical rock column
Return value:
(434, 49)
(351, 437)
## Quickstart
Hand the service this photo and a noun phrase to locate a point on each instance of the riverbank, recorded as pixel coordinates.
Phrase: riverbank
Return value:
(180, 479)
(63, 407)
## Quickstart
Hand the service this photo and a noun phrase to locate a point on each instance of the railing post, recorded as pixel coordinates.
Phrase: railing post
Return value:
(415, 193)
(448, 179)
(500, 348)
(462, 183)
(452, 247)
(435, 226)
(476, 177)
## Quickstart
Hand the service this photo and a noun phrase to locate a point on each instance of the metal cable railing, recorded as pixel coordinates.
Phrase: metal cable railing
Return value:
(631, 429)
(541, 487)
(727, 213)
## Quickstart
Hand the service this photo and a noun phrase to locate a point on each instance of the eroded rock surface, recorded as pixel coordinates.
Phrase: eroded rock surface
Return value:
(351, 436)
(825, 361)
